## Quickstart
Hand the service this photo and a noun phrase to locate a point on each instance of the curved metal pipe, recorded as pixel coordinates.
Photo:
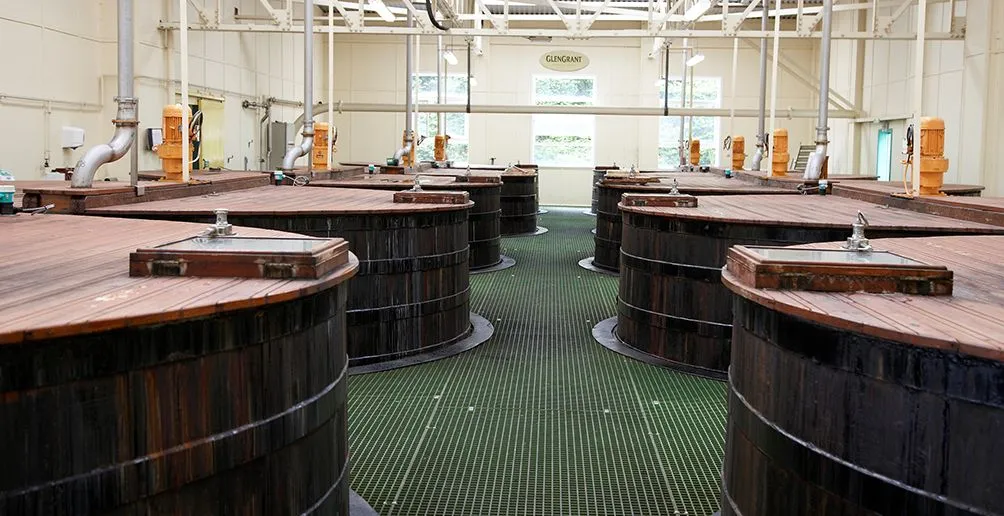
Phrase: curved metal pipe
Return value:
(815, 166)
(294, 153)
(432, 17)
(125, 120)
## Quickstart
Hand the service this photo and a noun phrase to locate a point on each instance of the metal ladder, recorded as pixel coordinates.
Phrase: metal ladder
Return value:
(802, 159)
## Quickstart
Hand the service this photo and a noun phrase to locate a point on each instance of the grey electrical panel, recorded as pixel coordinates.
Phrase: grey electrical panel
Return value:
(280, 135)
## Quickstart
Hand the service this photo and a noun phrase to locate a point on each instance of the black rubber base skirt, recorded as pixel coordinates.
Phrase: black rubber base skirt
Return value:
(587, 263)
(605, 332)
(540, 231)
(481, 331)
(503, 264)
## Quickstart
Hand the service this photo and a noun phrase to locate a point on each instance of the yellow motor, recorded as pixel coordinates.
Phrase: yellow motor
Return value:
(440, 149)
(779, 165)
(408, 159)
(695, 152)
(170, 151)
(738, 152)
(319, 151)
(933, 164)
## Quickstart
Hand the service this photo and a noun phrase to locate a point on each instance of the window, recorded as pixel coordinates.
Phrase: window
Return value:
(564, 140)
(456, 123)
(707, 94)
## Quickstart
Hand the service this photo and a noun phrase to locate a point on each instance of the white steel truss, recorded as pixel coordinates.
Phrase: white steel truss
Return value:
(575, 19)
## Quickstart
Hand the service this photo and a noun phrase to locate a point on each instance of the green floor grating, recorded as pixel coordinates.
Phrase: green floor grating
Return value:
(540, 419)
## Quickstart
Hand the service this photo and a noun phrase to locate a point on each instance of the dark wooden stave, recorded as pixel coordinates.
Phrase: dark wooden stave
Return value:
(485, 226)
(827, 421)
(684, 257)
(598, 174)
(388, 316)
(519, 204)
(183, 417)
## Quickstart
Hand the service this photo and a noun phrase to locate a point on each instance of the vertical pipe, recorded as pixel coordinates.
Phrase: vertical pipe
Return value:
(773, 79)
(408, 101)
(308, 82)
(918, 91)
(815, 166)
(440, 85)
(468, 75)
(761, 137)
(735, 68)
(331, 84)
(186, 152)
(665, 81)
(133, 158)
(683, 104)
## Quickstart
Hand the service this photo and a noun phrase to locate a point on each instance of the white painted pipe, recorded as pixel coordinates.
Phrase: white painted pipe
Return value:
(289, 160)
(186, 151)
(331, 83)
(814, 169)
(732, 104)
(126, 119)
(918, 91)
(352, 107)
(773, 81)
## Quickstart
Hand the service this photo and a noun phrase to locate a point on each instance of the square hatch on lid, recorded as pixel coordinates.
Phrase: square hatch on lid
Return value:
(836, 270)
(242, 257)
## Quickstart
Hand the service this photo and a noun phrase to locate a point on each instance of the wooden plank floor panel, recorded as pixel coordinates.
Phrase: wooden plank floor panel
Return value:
(86, 286)
(970, 321)
(802, 210)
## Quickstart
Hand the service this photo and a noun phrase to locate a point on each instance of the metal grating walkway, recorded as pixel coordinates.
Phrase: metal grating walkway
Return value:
(540, 419)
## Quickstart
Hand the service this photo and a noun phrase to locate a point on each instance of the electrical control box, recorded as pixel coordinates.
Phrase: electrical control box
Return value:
(72, 138)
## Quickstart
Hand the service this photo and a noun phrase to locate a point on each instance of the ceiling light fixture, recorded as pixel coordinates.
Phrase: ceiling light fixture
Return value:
(382, 11)
(450, 57)
(695, 60)
(697, 10)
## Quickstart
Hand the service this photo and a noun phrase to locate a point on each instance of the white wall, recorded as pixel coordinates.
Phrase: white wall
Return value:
(371, 69)
(959, 86)
(60, 50)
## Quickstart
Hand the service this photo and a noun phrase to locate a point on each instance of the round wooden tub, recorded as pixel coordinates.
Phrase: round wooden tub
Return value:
(519, 203)
(608, 216)
(598, 173)
(484, 219)
(671, 302)
(864, 404)
(141, 395)
(412, 292)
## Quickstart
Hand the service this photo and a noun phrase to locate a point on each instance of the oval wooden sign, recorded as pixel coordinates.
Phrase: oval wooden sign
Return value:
(564, 60)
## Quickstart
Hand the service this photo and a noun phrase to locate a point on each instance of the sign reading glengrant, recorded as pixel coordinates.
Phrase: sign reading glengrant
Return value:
(564, 61)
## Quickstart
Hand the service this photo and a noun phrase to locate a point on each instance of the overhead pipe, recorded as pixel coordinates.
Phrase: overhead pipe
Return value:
(126, 119)
(440, 86)
(432, 16)
(468, 75)
(509, 109)
(815, 166)
(665, 80)
(295, 152)
(761, 136)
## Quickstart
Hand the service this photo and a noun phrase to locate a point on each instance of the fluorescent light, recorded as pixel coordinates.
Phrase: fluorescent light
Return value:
(450, 57)
(697, 10)
(381, 10)
(694, 60)
(473, 81)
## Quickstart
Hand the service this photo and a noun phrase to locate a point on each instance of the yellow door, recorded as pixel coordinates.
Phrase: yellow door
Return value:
(212, 132)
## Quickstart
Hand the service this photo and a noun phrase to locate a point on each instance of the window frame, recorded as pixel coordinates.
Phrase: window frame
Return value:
(536, 101)
(699, 104)
(430, 98)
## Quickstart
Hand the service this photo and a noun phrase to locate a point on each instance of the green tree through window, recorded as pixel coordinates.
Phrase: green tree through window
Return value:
(707, 94)
(457, 149)
(564, 140)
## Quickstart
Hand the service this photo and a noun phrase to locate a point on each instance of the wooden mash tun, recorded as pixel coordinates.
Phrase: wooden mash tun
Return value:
(170, 151)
